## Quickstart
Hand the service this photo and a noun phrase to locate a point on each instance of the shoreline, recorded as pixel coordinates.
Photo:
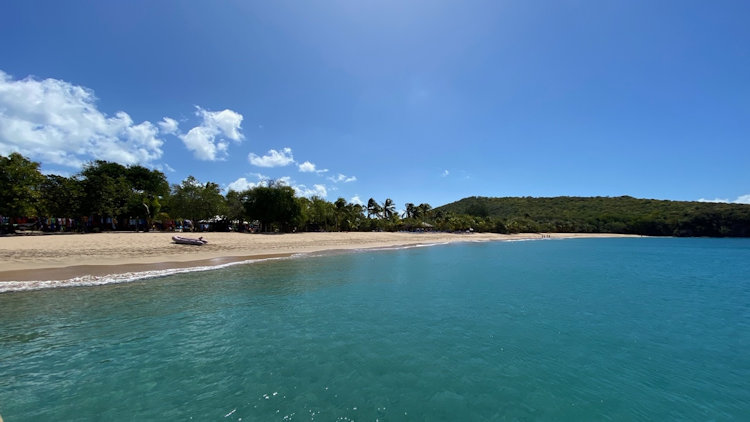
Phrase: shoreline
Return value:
(35, 262)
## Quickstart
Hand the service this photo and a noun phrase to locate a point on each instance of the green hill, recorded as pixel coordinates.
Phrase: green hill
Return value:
(607, 215)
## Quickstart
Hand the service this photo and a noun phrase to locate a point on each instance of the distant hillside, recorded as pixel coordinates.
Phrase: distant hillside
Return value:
(608, 215)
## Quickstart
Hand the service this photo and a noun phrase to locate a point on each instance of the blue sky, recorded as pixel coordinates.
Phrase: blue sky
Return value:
(419, 101)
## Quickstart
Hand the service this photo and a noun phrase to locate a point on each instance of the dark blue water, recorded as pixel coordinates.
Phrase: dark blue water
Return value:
(589, 329)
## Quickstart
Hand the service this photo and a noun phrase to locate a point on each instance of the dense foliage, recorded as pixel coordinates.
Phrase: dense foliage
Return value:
(609, 215)
(110, 196)
(20, 182)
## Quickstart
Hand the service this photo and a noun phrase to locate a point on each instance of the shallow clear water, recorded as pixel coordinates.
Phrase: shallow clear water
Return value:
(588, 329)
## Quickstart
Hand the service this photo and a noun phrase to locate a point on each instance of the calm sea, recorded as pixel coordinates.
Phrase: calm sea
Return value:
(577, 330)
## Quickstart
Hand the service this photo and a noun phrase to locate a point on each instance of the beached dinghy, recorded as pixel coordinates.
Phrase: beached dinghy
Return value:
(189, 240)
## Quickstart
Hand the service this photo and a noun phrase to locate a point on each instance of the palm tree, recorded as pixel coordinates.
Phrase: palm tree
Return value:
(340, 212)
(410, 210)
(373, 208)
(388, 208)
(422, 210)
(355, 215)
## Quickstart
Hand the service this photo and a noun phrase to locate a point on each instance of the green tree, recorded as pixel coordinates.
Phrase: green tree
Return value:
(388, 209)
(107, 192)
(478, 210)
(197, 201)
(148, 188)
(113, 190)
(423, 211)
(271, 205)
(354, 218)
(341, 212)
(151, 182)
(60, 196)
(373, 208)
(321, 215)
(411, 210)
(235, 211)
(20, 181)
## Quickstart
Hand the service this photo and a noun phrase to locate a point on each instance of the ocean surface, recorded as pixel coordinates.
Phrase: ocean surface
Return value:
(564, 330)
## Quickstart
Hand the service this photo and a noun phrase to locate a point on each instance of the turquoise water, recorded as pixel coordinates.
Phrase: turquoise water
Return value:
(587, 329)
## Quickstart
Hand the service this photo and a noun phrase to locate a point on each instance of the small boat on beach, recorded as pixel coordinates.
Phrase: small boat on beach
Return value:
(189, 240)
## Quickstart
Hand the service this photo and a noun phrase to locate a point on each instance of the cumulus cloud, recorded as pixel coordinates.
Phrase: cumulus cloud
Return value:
(272, 159)
(303, 190)
(316, 190)
(57, 122)
(308, 167)
(169, 126)
(206, 140)
(227, 121)
(742, 199)
(356, 200)
(242, 184)
(340, 178)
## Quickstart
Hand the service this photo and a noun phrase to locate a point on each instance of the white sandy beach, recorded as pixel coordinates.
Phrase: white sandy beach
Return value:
(55, 257)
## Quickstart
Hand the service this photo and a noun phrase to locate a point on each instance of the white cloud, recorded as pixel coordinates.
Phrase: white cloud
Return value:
(169, 126)
(260, 176)
(300, 189)
(56, 122)
(164, 168)
(286, 180)
(316, 190)
(227, 121)
(307, 167)
(742, 199)
(204, 140)
(272, 159)
(356, 200)
(303, 190)
(242, 184)
(320, 190)
(342, 178)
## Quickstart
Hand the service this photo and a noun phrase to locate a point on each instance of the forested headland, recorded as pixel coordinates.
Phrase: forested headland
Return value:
(622, 214)
(108, 196)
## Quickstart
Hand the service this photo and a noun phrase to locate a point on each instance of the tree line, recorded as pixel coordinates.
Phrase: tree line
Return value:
(109, 196)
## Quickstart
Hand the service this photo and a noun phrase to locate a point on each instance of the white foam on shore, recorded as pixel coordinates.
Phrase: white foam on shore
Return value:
(101, 280)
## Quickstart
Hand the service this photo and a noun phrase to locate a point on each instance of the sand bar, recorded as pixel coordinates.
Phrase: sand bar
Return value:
(58, 257)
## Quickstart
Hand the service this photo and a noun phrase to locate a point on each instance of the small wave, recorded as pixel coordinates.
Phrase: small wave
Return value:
(100, 280)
